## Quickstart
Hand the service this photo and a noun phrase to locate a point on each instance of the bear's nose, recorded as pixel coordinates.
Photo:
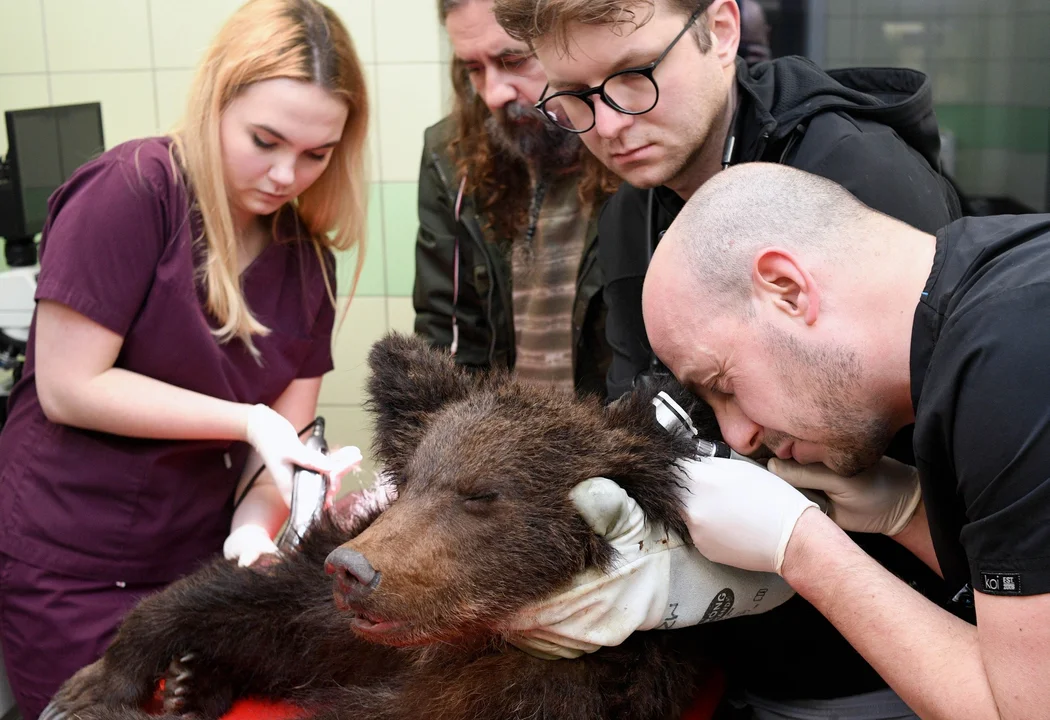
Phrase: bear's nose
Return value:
(352, 571)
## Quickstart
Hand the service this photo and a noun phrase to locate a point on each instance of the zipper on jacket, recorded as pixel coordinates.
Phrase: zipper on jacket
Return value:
(479, 241)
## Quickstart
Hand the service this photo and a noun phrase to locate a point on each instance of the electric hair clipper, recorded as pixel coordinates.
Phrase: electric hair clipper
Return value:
(309, 492)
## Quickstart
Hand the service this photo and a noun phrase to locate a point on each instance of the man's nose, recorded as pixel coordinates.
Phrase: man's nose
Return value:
(498, 91)
(743, 434)
(609, 123)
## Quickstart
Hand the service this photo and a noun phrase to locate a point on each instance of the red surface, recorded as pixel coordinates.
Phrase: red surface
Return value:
(702, 709)
(262, 710)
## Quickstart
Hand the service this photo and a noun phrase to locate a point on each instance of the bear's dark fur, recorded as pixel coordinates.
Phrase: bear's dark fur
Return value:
(410, 625)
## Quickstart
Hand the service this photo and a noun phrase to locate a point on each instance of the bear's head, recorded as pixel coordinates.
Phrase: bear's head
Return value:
(483, 523)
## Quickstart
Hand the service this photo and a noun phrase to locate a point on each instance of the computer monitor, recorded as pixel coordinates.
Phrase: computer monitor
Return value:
(44, 147)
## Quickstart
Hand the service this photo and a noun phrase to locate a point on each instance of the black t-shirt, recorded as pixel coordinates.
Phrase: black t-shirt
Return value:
(980, 373)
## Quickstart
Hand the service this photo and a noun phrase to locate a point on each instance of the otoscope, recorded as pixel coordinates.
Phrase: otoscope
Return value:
(675, 420)
(309, 492)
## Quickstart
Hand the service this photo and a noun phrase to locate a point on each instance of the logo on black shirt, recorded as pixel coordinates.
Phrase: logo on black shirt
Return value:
(1001, 583)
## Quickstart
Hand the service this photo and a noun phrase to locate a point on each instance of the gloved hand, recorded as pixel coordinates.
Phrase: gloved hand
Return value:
(279, 446)
(657, 581)
(882, 499)
(345, 459)
(739, 513)
(247, 544)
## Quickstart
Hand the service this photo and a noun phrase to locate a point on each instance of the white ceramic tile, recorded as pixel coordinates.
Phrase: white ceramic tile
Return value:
(1016, 82)
(128, 109)
(1001, 32)
(915, 9)
(407, 31)
(99, 35)
(1032, 88)
(348, 425)
(840, 8)
(1002, 7)
(402, 315)
(874, 7)
(1027, 180)
(364, 324)
(444, 47)
(409, 102)
(19, 92)
(840, 37)
(993, 169)
(871, 46)
(1000, 79)
(448, 94)
(183, 29)
(21, 37)
(358, 17)
(172, 92)
(836, 63)
(1033, 35)
(374, 169)
(958, 81)
(916, 57)
(960, 37)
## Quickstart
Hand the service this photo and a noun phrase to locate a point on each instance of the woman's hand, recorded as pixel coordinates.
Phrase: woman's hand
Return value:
(276, 441)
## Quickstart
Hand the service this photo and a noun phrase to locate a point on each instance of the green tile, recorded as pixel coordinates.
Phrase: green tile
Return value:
(400, 224)
(372, 282)
(999, 127)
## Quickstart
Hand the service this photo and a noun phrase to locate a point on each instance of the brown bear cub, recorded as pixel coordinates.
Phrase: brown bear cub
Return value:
(400, 618)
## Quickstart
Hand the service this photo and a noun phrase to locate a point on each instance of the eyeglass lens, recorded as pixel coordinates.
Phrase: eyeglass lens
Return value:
(630, 92)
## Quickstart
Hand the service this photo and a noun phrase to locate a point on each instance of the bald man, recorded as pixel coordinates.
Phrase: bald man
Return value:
(820, 328)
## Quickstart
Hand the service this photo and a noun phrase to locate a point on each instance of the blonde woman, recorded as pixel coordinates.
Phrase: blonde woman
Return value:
(185, 311)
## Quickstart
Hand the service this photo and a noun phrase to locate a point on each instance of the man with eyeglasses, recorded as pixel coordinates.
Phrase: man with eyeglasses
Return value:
(656, 92)
(506, 259)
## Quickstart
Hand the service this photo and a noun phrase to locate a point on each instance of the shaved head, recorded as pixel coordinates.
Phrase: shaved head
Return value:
(767, 297)
(712, 243)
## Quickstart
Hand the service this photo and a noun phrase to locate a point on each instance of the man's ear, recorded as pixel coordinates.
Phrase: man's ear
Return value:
(779, 278)
(409, 382)
(723, 22)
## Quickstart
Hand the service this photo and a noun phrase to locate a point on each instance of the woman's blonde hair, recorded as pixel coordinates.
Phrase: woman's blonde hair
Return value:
(265, 39)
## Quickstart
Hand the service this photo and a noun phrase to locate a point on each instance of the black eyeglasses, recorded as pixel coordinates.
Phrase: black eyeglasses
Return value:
(632, 92)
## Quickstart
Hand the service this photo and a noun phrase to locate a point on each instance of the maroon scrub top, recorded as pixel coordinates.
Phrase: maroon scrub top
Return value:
(119, 248)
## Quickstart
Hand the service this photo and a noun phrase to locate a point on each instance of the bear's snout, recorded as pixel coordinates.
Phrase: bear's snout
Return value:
(354, 575)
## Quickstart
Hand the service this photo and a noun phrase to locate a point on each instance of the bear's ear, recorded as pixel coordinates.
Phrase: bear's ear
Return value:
(409, 382)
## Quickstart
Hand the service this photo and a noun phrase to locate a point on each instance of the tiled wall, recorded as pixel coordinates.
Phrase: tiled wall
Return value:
(989, 61)
(137, 57)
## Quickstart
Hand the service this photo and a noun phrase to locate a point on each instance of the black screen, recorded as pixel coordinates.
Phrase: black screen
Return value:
(45, 147)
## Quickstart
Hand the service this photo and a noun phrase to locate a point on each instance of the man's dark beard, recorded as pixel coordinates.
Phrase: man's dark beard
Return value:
(522, 132)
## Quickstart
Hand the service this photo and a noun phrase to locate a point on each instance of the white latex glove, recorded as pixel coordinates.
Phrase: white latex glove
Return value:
(279, 447)
(247, 544)
(658, 581)
(345, 459)
(882, 499)
(739, 513)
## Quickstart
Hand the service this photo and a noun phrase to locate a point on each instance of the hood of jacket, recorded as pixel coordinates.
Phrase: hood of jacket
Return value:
(788, 91)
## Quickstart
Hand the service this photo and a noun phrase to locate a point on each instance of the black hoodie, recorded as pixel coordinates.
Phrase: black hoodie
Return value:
(874, 132)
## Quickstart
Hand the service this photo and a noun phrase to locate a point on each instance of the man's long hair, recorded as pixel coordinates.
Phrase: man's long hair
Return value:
(497, 181)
